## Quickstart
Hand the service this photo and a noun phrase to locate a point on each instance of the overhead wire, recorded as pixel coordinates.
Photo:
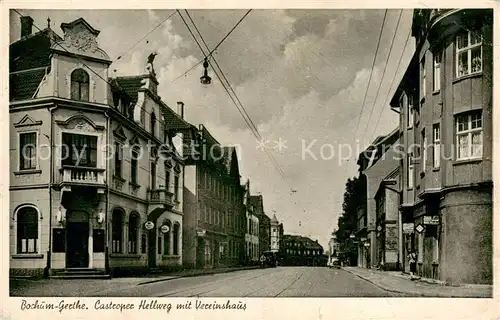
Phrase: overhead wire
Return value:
(147, 34)
(240, 107)
(371, 72)
(383, 74)
(215, 48)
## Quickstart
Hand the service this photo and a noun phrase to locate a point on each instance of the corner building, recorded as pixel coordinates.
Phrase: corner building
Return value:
(95, 180)
(445, 105)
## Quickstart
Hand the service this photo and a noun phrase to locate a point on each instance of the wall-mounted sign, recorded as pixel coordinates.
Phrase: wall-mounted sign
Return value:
(164, 228)
(431, 220)
(379, 228)
(201, 233)
(367, 244)
(420, 228)
(408, 228)
(149, 225)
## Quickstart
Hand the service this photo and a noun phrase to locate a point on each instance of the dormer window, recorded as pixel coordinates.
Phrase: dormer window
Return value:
(80, 85)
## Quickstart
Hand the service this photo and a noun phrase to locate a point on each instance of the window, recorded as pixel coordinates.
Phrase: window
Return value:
(437, 71)
(117, 231)
(143, 243)
(27, 230)
(176, 188)
(133, 233)
(424, 151)
(79, 150)
(80, 85)
(176, 239)
(27, 151)
(133, 167)
(436, 142)
(409, 177)
(469, 53)
(118, 160)
(167, 179)
(469, 135)
(166, 239)
(424, 83)
(410, 112)
(153, 176)
(152, 125)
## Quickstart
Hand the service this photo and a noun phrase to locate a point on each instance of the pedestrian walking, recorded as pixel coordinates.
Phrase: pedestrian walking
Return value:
(412, 258)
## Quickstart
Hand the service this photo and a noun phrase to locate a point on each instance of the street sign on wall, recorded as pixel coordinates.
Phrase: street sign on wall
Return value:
(149, 225)
(431, 220)
(164, 228)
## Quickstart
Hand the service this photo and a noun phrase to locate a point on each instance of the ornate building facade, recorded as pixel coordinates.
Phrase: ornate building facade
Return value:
(96, 182)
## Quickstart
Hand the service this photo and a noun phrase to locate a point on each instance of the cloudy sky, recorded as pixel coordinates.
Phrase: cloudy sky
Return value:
(301, 75)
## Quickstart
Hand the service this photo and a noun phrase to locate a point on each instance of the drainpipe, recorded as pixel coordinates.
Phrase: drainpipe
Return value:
(106, 227)
(48, 268)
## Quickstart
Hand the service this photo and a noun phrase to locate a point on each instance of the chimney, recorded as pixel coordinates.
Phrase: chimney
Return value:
(180, 109)
(26, 26)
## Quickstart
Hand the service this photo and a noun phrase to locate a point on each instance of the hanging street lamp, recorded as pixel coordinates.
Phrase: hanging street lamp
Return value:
(205, 79)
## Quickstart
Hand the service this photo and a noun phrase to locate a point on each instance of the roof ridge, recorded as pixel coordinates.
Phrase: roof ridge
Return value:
(28, 70)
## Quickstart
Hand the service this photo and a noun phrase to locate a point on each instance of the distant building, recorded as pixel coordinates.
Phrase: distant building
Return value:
(375, 164)
(333, 246)
(214, 218)
(302, 251)
(264, 223)
(252, 228)
(276, 234)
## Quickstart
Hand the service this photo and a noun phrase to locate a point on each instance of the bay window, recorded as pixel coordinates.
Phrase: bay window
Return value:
(469, 53)
(469, 133)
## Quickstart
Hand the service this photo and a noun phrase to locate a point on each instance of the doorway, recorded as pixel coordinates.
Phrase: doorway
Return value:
(77, 240)
(152, 248)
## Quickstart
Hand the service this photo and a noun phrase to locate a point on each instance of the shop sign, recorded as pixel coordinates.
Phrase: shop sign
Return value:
(431, 220)
(149, 225)
(408, 228)
(201, 233)
(164, 228)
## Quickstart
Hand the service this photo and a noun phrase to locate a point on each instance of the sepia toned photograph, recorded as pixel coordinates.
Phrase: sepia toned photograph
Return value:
(261, 153)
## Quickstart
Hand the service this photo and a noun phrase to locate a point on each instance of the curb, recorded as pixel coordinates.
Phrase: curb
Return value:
(382, 287)
(194, 275)
(418, 294)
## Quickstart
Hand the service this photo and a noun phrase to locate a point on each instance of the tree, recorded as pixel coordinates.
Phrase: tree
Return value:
(354, 202)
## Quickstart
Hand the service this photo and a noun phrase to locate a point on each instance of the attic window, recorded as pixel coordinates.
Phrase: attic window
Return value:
(80, 85)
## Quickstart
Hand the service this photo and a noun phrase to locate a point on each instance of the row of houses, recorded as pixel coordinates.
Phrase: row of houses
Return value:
(106, 177)
(429, 182)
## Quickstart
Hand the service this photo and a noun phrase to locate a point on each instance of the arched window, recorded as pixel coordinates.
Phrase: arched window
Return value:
(117, 231)
(80, 85)
(133, 233)
(27, 230)
(166, 238)
(176, 239)
(152, 125)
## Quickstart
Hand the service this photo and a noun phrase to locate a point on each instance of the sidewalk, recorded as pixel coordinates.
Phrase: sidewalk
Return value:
(401, 283)
(93, 287)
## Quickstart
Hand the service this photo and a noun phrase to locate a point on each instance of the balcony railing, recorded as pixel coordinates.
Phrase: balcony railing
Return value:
(83, 175)
(161, 196)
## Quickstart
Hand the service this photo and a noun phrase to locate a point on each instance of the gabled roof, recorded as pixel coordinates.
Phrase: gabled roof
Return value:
(78, 21)
(23, 84)
(130, 85)
(32, 51)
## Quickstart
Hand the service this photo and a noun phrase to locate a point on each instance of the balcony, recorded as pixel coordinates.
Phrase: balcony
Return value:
(161, 199)
(82, 176)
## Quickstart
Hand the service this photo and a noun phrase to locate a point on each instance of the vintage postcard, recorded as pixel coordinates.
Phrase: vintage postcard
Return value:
(175, 162)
